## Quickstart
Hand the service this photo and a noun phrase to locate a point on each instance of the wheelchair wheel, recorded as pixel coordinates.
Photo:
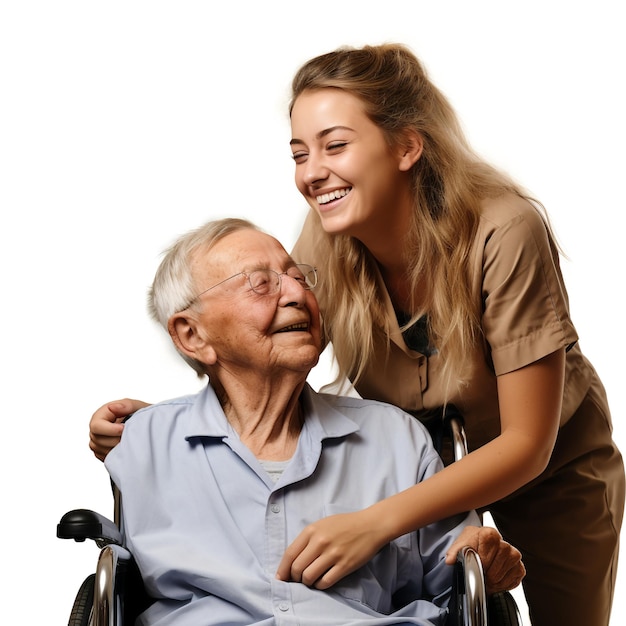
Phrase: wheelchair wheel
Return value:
(83, 604)
(502, 610)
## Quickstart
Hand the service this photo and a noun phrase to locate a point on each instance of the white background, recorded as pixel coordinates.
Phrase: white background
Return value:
(124, 124)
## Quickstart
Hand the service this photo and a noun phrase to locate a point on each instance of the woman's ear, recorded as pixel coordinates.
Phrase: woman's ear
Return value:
(187, 335)
(410, 149)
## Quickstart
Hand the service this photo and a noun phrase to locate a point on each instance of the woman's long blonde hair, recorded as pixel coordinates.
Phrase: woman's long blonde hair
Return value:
(450, 181)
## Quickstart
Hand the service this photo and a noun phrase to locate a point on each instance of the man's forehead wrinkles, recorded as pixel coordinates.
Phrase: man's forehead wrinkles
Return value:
(243, 251)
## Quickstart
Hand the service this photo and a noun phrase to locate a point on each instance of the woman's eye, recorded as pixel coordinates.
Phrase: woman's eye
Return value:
(337, 145)
(299, 157)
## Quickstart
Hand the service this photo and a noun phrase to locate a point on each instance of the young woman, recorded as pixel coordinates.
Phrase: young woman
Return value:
(442, 286)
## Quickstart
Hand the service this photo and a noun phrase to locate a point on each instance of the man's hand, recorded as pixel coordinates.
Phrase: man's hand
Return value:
(502, 563)
(105, 427)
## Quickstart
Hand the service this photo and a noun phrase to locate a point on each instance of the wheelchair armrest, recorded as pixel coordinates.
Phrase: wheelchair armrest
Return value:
(81, 524)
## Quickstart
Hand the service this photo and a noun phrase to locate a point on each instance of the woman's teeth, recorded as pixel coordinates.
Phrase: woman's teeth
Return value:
(333, 195)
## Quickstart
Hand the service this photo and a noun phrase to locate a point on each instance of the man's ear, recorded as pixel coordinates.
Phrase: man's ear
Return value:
(409, 149)
(189, 339)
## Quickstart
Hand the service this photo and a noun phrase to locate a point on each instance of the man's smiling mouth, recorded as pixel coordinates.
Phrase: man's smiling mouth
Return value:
(333, 195)
(294, 327)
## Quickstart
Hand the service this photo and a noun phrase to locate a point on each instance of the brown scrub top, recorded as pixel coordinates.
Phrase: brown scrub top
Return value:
(516, 277)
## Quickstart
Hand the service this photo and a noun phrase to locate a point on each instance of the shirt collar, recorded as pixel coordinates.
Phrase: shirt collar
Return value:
(321, 419)
(206, 417)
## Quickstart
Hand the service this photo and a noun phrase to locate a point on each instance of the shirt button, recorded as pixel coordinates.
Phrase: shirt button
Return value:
(275, 508)
(283, 606)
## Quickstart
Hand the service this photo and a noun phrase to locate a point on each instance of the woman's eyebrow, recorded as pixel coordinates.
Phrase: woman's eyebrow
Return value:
(322, 133)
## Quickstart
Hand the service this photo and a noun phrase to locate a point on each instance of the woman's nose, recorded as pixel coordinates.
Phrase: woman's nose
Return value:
(315, 170)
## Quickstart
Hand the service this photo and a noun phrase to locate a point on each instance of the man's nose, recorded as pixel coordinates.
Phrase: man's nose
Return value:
(292, 291)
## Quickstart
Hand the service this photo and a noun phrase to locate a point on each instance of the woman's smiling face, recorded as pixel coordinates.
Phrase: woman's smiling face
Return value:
(345, 167)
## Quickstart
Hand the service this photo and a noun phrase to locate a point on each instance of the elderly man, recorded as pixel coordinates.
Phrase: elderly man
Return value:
(216, 485)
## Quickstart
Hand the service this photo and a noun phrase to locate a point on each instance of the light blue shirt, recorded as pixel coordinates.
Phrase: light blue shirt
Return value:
(208, 526)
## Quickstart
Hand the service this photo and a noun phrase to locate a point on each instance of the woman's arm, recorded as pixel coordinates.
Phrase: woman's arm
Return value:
(530, 407)
(105, 426)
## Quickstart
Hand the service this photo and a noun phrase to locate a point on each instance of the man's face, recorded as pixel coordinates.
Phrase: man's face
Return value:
(247, 330)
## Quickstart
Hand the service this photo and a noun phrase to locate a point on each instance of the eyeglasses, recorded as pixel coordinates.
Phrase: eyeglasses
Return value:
(267, 282)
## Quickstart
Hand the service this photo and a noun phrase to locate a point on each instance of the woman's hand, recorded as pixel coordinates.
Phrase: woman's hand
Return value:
(331, 548)
(502, 563)
(105, 427)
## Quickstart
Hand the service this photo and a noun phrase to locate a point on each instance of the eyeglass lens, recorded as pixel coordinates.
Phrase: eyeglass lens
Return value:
(268, 281)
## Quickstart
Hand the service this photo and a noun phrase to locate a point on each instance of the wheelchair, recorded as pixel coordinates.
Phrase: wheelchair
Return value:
(115, 596)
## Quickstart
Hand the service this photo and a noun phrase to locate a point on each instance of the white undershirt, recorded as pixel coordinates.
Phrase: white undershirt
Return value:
(274, 468)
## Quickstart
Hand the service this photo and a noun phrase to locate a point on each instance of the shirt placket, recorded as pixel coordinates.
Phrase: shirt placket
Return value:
(275, 534)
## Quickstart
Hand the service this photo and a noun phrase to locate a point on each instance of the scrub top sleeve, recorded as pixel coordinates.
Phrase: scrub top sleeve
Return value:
(525, 314)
